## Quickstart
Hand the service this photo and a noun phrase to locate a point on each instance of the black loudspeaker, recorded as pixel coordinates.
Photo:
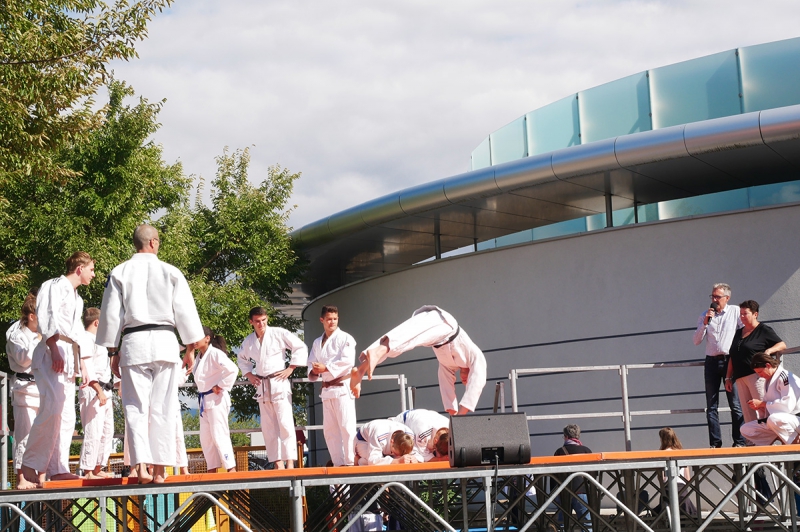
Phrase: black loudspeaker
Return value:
(483, 439)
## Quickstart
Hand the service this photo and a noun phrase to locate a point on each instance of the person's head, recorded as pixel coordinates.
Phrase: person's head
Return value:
(329, 317)
(441, 441)
(90, 316)
(748, 310)
(211, 338)
(402, 443)
(669, 440)
(81, 265)
(721, 293)
(145, 239)
(572, 432)
(27, 316)
(764, 365)
(259, 320)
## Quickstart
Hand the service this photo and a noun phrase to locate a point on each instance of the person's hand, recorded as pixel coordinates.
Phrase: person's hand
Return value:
(285, 373)
(755, 404)
(710, 314)
(101, 396)
(188, 358)
(115, 365)
(464, 375)
(216, 389)
(318, 367)
(728, 385)
(254, 380)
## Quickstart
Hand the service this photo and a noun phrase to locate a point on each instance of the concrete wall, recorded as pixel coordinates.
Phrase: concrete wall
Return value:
(616, 296)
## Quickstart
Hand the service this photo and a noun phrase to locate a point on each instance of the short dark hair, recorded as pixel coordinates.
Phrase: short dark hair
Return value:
(143, 234)
(257, 311)
(328, 309)
(441, 441)
(79, 258)
(761, 359)
(749, 304)
(89, 315)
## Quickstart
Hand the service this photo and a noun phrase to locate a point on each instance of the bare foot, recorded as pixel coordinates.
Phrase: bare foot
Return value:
(133, 473)
(143, 474)
(374, 355)
(159, 474)
(91, 475)
(22, 480)
(279, 464)
(65, 476)
(289, 464)
(232, 470)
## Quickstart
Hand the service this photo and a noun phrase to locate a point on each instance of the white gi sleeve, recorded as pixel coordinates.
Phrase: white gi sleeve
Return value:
(297, 347)
(18, 348)
(476, 380)
(187, 321)
(110, 328)
(312, 357)
(245, 358)
(229, 371)
(53, 312)
(787, 400)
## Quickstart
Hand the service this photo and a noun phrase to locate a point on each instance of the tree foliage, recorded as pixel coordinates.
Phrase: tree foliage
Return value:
(53, 59)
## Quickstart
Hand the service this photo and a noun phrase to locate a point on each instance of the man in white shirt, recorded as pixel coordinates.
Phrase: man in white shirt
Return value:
(717, 325)
(94, 398)
(145, 300)
(332, 357)
(262, 362)
(455, 351)
(58, 311)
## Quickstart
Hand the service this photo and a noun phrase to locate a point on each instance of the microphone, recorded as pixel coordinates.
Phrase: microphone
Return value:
(715, 307)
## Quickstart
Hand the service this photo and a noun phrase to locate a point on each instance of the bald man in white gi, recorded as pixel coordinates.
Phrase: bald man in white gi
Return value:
(145, 300)
(58, 311)
(332, 357)
(431, 433)
(431, 326)
(94, 398)
(262, 362)
(21, 339)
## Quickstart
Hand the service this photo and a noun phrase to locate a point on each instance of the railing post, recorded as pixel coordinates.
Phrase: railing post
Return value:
(4, 441)
(412, 397)
(674, 502)
(296, 493)
(487, 490)
(401, 379)
(512, 377)
(626, 413)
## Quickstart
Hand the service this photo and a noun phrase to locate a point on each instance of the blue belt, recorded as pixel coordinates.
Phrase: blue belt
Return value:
(202, 398)
(359, 436)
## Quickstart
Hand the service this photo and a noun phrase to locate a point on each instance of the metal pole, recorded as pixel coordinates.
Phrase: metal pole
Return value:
(102, 501)
(402, 380)
(4, 441)
(674, 503)
(513, 378)
(487, 490)
(502, 397)
(412, 397)
(296, 494)
(626, 412)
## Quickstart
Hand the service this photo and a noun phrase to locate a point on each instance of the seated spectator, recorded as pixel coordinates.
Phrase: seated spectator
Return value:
(385, 441)
(669, 442)
(780, 400)
(580, 502)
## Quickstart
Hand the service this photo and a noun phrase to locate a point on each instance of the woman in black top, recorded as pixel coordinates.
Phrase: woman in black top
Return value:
(747, 341)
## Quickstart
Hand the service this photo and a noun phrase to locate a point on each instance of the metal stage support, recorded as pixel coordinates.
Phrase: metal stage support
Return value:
(601, 492)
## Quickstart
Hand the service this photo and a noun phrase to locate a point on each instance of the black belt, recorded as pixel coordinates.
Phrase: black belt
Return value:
(24, 377)
(458, 330)
(107, 386)
(715, 357)
(148, 327)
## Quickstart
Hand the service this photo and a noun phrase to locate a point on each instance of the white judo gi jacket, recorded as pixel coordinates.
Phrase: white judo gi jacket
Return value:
(339, 355)
(424, 424)
(147, 291)
(20, 343)
(59, 309)
(374, 441)
(266, 357)
(214, 368)
(783, 390)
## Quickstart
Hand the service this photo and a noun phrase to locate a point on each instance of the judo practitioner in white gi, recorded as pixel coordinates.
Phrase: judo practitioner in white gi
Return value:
(215, 375)
(331, 359)
(262, 362)
(780, 400)
(432, 327)
(384, 442)
(21, 338)
(145, 300)
(94, 398)
(58, 311)
(431, 433)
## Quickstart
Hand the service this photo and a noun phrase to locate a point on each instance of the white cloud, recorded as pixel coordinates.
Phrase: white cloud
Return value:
(365, 98)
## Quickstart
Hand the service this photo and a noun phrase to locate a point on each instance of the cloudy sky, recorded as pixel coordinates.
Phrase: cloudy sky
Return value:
(369, 97)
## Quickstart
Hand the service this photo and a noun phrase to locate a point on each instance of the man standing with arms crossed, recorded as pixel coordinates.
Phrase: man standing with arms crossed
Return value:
(717, 325)
(332, 357)
(145, 300)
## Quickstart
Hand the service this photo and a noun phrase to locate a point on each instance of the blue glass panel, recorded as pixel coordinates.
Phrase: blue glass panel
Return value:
(774, 194)
(623, 217)
(707, 203)
(481, 157)
(487, 244)
(700, 89)
(596, 221)
(553, 126)
(508, 143)
(515, 238)
(648, 213)
(568, 227)
(618, 108)
(770, 75)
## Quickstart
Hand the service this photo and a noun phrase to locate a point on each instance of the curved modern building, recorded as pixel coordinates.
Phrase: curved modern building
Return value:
(588, 233)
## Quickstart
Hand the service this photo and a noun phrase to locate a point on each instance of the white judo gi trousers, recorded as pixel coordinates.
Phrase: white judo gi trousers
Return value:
(339, 427)
(150, 395)
(215, 436)
(277, 426)
(98, 429)
(26, 406)
(51, 434)
(779, 425)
